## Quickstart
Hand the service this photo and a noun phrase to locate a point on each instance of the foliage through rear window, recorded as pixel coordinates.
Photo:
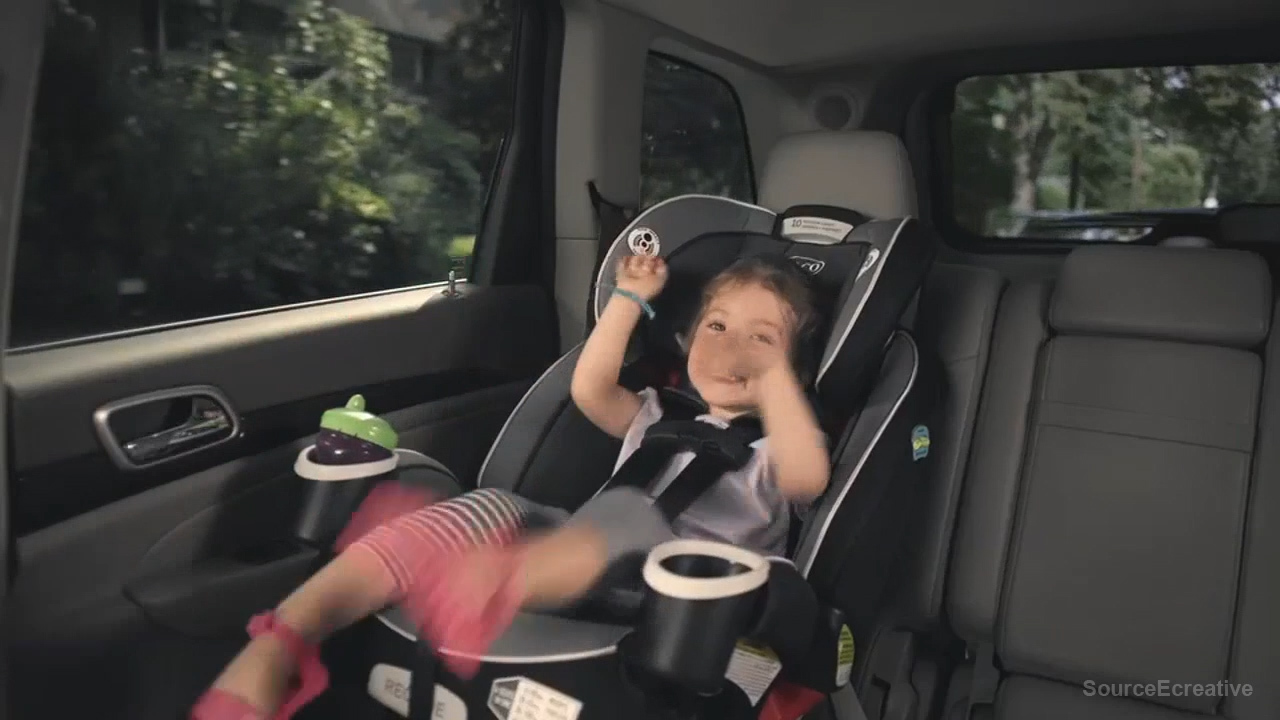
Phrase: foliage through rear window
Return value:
(1101, 155)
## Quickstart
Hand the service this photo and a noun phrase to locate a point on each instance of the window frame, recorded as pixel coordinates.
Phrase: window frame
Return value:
(536, 44)
(934, 80)
(738, 108)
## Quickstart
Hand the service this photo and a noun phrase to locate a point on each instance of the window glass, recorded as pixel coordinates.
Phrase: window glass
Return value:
(206, 157)
(692, 135)
(1103, 155)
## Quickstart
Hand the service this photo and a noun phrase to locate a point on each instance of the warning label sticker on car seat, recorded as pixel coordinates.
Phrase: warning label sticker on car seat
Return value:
(844, 656)
(816, 230)
(519, 698)
(753, 668)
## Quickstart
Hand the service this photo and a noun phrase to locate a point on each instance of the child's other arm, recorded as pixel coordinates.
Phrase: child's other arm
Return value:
(595, 387)
(797, 445)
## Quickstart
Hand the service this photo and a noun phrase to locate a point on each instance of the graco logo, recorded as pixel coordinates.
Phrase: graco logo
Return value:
(807, 264)
(643, 241)
(870, 262)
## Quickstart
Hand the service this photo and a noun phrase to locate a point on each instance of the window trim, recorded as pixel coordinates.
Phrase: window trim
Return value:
(520, 190)
(737, 101)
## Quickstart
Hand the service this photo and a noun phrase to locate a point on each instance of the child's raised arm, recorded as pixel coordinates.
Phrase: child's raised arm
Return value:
(595, 387)
(797, 446)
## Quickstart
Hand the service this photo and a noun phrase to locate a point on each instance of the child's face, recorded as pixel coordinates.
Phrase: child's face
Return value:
(743, 327)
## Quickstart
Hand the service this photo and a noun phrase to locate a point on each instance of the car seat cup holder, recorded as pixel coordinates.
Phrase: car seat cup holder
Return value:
(702, 595)
(353, 451)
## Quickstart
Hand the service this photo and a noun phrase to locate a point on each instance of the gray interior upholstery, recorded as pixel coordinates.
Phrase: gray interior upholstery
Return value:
(1186, 241)
(1120, 520)
(1193, 294)
(862, 170)
(957, 312)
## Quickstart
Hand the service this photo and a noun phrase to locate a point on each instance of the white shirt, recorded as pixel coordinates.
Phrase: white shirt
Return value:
(744, 507)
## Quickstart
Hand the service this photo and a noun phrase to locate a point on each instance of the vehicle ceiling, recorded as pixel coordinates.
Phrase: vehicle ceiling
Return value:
(807, 34)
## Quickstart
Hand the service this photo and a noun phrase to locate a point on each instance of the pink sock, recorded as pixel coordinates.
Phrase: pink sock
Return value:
(219, 704)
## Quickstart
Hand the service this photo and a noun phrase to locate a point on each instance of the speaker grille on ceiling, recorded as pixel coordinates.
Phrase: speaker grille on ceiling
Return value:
(833, 108)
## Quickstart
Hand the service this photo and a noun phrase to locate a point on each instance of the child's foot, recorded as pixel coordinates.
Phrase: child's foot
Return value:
(466, 602)
(275, 676)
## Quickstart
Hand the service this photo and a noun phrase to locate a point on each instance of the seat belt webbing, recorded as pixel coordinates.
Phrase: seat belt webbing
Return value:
(706, 469)
(986, 678)
(717, 451)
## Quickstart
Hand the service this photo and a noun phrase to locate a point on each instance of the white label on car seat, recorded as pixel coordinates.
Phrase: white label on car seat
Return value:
(844, 657)
(448, 705)
(389, 685)
(519, 698)
(644, 241)
(816, 230)
(753, 668)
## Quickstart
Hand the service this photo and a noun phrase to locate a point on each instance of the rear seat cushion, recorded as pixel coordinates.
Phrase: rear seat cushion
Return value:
(991, 482)
(1219, 297)
(1124, 559)
(1111, 548)
(1255, 656)
(956, 313)
(1028, 698)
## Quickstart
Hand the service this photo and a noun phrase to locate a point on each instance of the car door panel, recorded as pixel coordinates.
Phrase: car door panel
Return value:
(279, 370)
(117, 565)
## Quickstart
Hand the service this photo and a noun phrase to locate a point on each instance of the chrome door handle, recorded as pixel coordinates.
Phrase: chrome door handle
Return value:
(192, 419)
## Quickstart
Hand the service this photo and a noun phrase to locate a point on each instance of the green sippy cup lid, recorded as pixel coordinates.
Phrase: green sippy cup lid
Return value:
(354, 421)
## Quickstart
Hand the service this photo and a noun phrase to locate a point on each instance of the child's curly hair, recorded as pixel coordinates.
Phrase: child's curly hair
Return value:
(779, 275)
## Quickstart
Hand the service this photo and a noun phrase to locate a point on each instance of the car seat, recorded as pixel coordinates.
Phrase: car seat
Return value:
(871, 386)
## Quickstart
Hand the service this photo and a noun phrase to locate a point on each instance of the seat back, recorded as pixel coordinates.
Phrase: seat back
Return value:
(865, 271)
(1120, 520)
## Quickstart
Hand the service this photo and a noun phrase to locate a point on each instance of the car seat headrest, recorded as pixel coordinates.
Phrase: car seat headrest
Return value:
(867, 171)
(863, 274)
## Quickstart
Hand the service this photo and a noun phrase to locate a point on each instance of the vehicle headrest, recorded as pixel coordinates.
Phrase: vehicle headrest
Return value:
(1202, 295)
(863, 274)
(867, 171)
(1186, 241)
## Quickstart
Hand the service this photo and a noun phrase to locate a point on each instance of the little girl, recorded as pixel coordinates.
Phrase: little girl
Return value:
(464, 567)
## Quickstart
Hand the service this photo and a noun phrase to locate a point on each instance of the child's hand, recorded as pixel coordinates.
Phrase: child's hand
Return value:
(645, 276)
(762, 360)
(765, 368)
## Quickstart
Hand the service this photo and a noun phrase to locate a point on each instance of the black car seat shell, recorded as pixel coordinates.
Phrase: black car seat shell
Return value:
(870, 378)
(1116, 546)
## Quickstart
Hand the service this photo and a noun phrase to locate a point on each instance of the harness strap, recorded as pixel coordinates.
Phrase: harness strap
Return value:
(716, 452)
